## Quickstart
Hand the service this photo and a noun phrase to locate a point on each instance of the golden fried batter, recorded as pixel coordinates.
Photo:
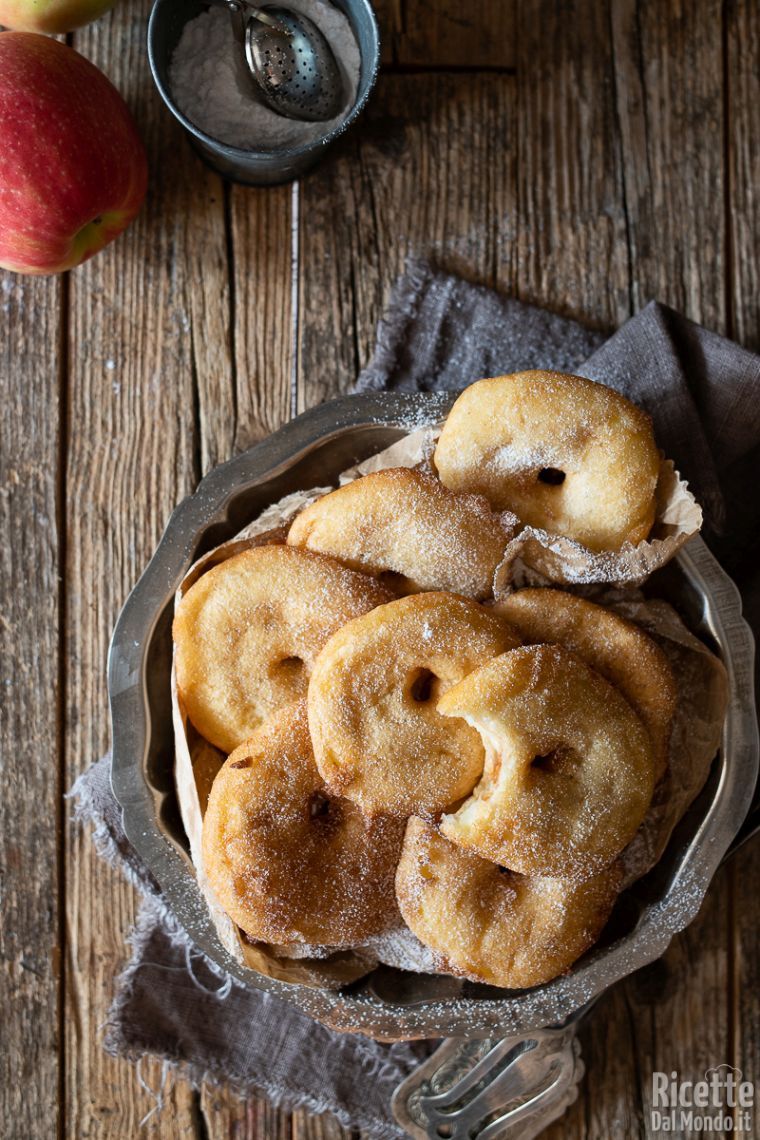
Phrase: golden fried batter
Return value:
(493, 925)
(288, 861)
(569, 768)
(378, 738)
(247, 633)
(617, 648)
(562, 452)
(406, 526)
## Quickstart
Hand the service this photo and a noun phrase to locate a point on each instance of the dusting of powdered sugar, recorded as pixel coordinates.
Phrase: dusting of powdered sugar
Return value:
(210, 87)
(400, 948)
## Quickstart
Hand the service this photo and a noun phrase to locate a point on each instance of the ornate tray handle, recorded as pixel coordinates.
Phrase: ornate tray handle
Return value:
(482, 1089)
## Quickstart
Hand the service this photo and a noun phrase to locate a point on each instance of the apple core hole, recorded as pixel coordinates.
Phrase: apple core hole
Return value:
(552, 476)
(319, 806)
(557, 760)
(422, 686)
(547, 763)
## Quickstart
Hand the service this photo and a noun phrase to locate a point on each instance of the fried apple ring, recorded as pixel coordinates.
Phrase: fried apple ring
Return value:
(378, 738)
(492, 925)
(288, 861)
(617, 648)
(406, 527)
(569, 766)
(564, 453)
(247, 633)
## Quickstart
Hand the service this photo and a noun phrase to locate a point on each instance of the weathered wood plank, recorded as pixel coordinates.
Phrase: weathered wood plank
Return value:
(422, 174)
(31, 395)
(744, 972)
(743, 129)
(264, 343)
(388, 13)
(444, 33)
(227, 1118)
(148, 349)
(669, 104)
(207, 316)
(325, 1127)
(570, 215)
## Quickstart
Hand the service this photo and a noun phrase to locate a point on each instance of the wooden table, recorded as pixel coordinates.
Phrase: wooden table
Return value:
(584, 155)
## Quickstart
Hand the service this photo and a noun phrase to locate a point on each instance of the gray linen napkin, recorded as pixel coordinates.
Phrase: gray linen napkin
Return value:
(438, 333)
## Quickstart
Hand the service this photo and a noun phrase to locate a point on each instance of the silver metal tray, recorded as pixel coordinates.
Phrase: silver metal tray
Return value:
(391, 1004)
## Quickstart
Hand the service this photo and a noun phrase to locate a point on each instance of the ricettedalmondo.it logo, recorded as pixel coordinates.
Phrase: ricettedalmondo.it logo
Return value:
(721, 1103)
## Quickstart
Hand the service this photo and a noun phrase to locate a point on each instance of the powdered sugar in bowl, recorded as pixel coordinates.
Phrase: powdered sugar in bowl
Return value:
(195, 65)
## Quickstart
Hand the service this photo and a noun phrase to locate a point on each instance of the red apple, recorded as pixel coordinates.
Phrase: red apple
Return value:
(54, 17)
(73, 169)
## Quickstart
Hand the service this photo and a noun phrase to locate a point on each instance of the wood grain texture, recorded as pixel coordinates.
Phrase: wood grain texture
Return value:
(742, 44)
(742, 118)
(744, 972)
(477, 35)
(308, 1127)
(428, 34)
(420, 175)
(202, 280)
(226, 1117)
(389, 21)
(668, 66)
(571, 229)
(146, 327)
(261, 254)
(30, 598)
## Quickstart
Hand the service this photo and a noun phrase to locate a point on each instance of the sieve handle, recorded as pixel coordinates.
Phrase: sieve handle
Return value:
(483, 1089)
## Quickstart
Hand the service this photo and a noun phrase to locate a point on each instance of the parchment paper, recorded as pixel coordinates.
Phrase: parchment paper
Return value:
(536, 558)
(533, 557)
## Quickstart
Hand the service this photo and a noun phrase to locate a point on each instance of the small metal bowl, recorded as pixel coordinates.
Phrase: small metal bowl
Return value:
(258, 167)
(391, 1004)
